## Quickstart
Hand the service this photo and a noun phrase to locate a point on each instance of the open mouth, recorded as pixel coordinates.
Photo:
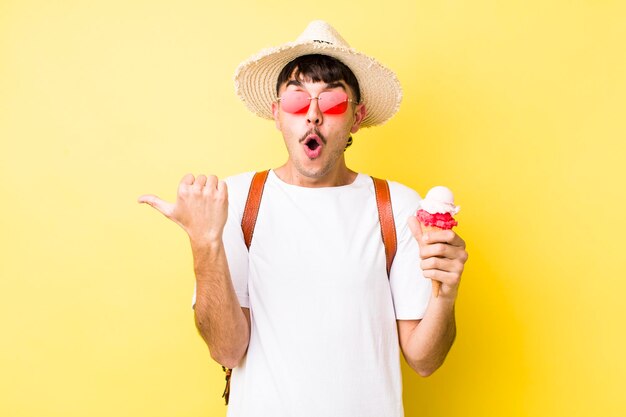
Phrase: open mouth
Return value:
(312, 143)
(312, 146)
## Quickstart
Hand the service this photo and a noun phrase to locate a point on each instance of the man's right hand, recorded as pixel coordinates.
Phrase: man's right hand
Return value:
(201, 207)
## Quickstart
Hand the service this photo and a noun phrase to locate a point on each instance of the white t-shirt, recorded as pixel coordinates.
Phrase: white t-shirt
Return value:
(323, 312)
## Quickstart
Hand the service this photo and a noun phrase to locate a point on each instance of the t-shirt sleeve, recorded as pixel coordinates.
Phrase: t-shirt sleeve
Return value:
(409, 289)
(234, 244)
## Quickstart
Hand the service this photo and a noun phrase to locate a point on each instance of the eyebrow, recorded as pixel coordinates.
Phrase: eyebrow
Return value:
(335, 84)
(293, 82)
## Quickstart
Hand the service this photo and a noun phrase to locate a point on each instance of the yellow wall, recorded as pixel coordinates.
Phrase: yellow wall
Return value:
(518, 106)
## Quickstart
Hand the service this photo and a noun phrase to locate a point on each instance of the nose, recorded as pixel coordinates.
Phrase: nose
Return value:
(314, 115)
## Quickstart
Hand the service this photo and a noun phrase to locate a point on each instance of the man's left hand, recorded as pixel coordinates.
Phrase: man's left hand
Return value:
(443, 256)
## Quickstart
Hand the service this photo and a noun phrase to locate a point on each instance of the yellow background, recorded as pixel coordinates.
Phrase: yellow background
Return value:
(519, 107)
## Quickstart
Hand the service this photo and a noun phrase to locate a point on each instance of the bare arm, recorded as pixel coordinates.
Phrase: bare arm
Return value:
(426, 342)
(224, 326)
(201, 209)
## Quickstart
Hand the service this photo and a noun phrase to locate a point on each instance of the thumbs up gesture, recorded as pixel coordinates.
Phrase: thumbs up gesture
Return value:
(201, 207)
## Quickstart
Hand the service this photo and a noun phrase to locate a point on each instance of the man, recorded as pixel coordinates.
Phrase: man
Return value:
(307, 317)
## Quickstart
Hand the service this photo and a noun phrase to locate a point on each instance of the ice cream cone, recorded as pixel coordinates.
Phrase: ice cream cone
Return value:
(435, 213)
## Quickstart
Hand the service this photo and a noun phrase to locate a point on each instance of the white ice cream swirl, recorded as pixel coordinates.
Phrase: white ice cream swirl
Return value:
(439, 199)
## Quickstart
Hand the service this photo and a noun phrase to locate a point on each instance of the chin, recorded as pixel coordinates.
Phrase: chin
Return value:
(312, 172)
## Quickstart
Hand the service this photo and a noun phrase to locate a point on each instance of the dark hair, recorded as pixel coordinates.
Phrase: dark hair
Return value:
(318, 68)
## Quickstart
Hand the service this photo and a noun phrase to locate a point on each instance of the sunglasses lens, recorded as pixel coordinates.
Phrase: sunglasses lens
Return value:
(295, 102)
(329, 102)
(333, 102)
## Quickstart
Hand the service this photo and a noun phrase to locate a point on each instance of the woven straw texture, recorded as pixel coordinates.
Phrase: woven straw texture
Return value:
(255, 79)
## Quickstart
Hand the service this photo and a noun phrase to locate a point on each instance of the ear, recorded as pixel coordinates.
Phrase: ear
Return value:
(275, 113)
(359, 114)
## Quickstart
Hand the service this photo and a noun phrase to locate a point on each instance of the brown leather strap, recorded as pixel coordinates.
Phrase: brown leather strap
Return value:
(248, 221)
(226, 394)
(253, 202)
(387, 224)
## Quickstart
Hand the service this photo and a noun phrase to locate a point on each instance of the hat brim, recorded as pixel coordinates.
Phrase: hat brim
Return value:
(255, 79)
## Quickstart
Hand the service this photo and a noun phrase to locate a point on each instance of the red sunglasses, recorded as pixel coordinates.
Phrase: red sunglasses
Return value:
(329, 102)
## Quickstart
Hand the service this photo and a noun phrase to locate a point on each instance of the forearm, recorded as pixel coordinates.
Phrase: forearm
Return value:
(218, 315)
(430, 341)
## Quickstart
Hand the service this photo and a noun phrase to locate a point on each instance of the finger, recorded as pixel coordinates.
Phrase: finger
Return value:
(222, 188)
(432, 263)
(448, 278)
(187, 179)
(163, 206)
(415, 227)
(440, 250)
(442, 264)
(200, 181)
(444, 236)
(184, 187)
(211, 183)
(439, 236)
(457, 241)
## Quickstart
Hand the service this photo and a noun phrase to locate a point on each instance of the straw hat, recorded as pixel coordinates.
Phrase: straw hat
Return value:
(255, 78)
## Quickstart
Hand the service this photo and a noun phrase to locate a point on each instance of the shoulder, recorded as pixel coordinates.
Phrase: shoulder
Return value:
(239, 181)
(403, 194)
(238, 187)
(404, 200)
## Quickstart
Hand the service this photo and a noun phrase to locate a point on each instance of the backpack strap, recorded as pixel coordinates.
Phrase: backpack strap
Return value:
(387, 224)
(383, 203)
(251, 211)
(248, 221)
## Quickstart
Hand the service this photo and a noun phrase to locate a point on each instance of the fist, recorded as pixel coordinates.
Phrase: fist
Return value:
(201, 207)
(443, 255)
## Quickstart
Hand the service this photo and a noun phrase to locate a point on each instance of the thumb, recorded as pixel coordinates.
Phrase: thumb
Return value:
(416, 228)
(163, 206)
